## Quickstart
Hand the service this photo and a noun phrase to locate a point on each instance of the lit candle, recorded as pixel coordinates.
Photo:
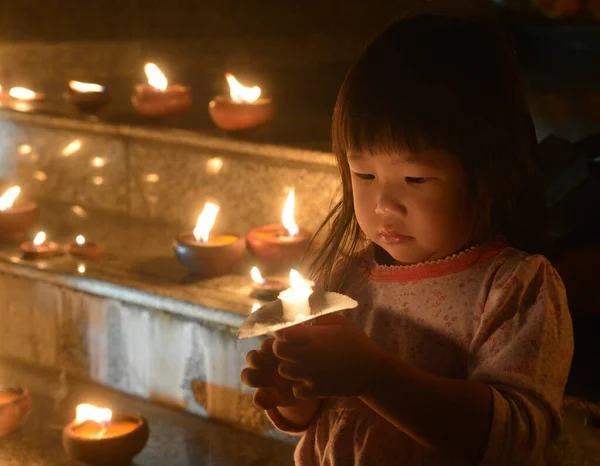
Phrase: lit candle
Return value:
(295, 299)
(15, 406)
(15, 220)
(158, 98)
(85, 249)
(87, 97)
(22, 93)
(39, 248)
(280, 244)
(99, 436)
(266, 288)
(242, 109)
(207, 255)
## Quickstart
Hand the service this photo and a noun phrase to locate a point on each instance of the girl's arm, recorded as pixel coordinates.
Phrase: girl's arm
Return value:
(445, 414)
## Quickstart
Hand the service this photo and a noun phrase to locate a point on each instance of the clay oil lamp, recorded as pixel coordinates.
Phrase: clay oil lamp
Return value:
(280, 245)
(208, 255)
(87, 97)
(15, 406)
(85, 249)
(242, 109)
(98, 436)
(158, 98)
(24, 99)
(16, 219)
(39, 248)
(267, 288)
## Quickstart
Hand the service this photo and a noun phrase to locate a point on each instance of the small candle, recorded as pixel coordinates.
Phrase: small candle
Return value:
(283, 244)
(266, 287)
(208, 255)
(85, 249)
(22, 93)
(15, 406)
(16, 220)
(97, 436)
(39, 248)
(242, 109)
(295, 299)
(87, 97)
(158, 98)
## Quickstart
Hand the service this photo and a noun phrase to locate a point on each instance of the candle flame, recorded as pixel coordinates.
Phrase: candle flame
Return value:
(80, 240)
(8, 198)
(240, 93)
(156, 78)
(39, 238)
(255, 307)
(22, 93)
(81, 268)
(205, 222)
(85, 87)
(299, 285)
(257, 276)
(71, 148)
(287, 216)
(86, 412)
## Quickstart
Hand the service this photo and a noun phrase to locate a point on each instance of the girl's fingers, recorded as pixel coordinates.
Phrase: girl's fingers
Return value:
(259, 360)
(303, 390)
(266, 398)
(291, 371)
(256, 378)
(266, 346)
(288, 351)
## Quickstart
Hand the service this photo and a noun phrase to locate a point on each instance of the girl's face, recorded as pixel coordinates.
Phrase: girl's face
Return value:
(415, 207)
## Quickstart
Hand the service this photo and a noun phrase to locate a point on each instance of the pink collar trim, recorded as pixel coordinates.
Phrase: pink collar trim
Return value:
(438, 268)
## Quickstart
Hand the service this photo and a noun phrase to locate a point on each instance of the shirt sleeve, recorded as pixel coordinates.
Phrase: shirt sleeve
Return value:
(522, 349)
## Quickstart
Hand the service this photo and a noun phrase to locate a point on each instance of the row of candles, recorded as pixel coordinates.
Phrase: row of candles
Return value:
(274, 246)
(242, 109)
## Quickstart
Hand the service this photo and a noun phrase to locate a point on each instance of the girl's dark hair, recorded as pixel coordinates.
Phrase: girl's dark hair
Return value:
(435, 82)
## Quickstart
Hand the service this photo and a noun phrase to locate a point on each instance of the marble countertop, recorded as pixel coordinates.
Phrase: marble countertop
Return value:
(176, 437)
(138, 265)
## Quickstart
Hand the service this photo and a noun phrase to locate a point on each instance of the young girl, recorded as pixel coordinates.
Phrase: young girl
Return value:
(461, 346)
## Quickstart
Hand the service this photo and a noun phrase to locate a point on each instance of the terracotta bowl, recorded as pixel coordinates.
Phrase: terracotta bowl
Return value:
(87, 250)
(149, 102)
(231, 116)
(266, 245)
(208, 261)
(271, 289)
(88, 102)
(110, 450)
(16, 221)
(14, 413)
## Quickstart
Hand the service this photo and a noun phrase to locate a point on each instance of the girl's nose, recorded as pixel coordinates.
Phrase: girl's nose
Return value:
(389, 202)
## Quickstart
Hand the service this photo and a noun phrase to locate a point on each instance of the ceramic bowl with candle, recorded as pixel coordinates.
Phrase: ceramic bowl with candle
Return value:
(15, 406)
(207, 255)
(16, 218)
(267, 288)
(158, 98)
(242, 109)
(39, 248)
(85, 249)
(280, 245)
(100, 437)
(87, 97)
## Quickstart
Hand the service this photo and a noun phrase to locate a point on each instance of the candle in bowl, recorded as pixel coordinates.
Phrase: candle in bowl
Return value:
(87, 97)
(16, 218)
(295, 299)
(267, 288)
(24, 99)
(98, 436)
(15, 406)
(280, 245)
(158, 98)
(85, 249)
(39, 248)
(242, 109)
(205, 255)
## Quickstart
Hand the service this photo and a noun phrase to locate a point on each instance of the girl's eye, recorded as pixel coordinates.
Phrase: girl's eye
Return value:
(415, 179)
(364, 176)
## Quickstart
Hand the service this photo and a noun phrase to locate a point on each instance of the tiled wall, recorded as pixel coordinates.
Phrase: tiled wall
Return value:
(160, 181)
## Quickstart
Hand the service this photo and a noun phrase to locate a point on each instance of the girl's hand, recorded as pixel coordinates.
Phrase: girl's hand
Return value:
(333, 358)
(261, 373)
